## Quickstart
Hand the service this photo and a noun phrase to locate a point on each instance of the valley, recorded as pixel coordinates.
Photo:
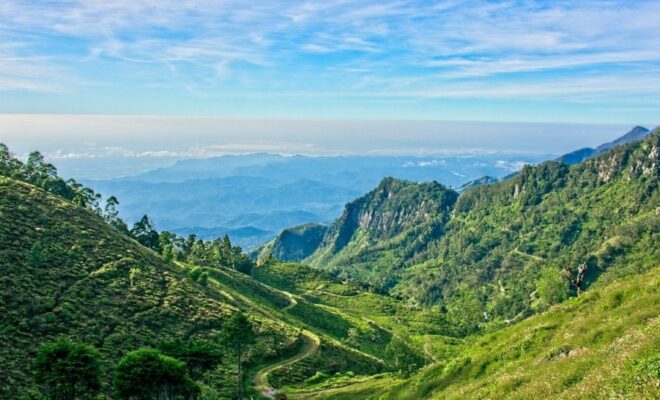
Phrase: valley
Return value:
(416, 291)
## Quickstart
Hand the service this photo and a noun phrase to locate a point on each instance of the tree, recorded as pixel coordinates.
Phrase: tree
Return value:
(188, 244)
(9, 166)
(147, 374)
(576, 278)
(145, 232)
(167, 238)
(84, 196)
(241, 262)
(199, 356)
(203, 279)
(37, 169)
(111, 215)
(238, 334)
(168, 253)
(226, 252)
(67, 370)
(200, 276)
(465, 312)
(198, 253)
(195, 273)
(111, 212)
(231, 256)
(551, 287)
(402, 354)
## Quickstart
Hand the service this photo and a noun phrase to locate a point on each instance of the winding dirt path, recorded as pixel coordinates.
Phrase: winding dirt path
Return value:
(537, 258)
(292, 301)
(260, 380)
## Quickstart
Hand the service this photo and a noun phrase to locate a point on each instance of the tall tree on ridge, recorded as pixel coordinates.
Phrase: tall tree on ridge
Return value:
(145, 232)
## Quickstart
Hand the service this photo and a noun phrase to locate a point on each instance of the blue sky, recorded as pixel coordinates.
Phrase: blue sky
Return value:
(534, 61)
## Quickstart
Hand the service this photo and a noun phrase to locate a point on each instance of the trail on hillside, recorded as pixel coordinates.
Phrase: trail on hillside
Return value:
(260, 380)
(537, 258)
(292, 301)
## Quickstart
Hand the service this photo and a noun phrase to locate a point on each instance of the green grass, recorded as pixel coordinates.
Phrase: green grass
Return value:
(603, 345)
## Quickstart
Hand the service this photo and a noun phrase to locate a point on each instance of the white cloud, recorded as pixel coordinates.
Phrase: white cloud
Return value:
(512, 166)
(416, 49)
(425, 163)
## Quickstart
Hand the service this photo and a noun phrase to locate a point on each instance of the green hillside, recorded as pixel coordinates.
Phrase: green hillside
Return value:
(378, 231)
(67, 273)
(295, 244)
(483, 255)
(544, 285)
(603, 345)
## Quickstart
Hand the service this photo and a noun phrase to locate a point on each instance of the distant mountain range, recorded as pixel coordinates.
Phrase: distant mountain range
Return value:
(252, 197)
(636, 134)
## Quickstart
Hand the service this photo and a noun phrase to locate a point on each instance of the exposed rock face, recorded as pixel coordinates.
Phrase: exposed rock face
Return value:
(389, 209)
(516, 191)
(608, 167)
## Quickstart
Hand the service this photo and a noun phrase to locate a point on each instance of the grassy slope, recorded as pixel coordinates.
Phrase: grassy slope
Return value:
(95, 285)
(327, 291)
(374, 319)
(330, 326)
(67, 273)
(604, 344)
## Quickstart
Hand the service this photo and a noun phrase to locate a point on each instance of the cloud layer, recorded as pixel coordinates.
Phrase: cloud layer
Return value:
(279, 57)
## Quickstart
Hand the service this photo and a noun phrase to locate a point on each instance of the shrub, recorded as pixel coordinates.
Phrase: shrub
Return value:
(67, 370)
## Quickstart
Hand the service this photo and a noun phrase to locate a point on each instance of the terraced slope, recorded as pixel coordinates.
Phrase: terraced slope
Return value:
(66, 273)
(311, 344)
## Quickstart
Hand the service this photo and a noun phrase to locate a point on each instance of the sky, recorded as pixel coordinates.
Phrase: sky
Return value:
(65, 63)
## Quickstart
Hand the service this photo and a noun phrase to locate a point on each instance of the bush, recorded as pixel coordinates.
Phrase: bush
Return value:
(146, 374)
(67, 370)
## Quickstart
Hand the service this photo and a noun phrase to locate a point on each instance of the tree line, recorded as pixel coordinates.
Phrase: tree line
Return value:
(36, 171)
(212, 253)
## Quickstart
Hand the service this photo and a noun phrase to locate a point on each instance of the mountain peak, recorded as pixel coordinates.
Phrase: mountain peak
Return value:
(391, 208)
(635, 134)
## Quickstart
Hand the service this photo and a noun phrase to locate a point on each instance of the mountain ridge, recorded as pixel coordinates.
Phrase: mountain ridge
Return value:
(635, 134)
(493, 225)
